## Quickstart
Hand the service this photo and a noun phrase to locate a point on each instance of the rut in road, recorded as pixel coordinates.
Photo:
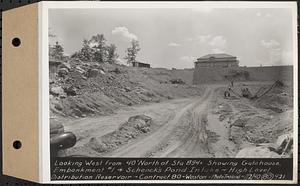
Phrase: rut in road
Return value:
(142, 147)
(194, 142)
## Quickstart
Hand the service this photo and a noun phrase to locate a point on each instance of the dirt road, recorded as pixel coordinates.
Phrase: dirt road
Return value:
(188, 134)
(89, 127)
(198, 127)
(183, 130)
(145, 146)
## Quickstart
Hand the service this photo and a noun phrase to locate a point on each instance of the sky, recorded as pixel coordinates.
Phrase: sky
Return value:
(175, 38)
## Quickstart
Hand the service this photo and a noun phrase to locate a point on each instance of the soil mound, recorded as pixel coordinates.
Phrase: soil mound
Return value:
(257, 125)
(135, 126)
(279, 99)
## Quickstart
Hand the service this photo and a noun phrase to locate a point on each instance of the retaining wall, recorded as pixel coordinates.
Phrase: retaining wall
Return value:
(269, 73)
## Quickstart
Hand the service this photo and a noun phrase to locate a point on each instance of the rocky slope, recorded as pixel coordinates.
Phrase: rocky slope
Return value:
(260, 127)
(80, 89)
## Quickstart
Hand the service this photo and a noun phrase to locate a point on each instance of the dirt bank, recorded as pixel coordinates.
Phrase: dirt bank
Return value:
(257, 122)
(79, 89)
(204, 126)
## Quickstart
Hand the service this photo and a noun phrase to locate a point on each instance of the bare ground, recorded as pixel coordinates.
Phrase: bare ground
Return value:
(203, 126)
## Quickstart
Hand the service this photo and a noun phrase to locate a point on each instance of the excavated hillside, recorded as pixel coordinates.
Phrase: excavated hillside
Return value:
(258, 127)
(120, 111)
(81, 89)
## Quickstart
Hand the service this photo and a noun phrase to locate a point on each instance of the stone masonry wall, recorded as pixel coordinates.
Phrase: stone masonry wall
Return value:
(270, 73)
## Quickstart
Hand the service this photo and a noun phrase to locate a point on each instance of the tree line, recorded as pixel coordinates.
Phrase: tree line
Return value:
(96, 49)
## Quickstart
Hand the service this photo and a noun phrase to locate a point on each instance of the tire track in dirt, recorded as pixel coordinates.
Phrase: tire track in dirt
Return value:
(194, 144)
(147, 144)
(87, 128)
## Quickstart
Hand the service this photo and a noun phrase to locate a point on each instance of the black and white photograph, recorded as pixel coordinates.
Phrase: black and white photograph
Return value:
(194, 82)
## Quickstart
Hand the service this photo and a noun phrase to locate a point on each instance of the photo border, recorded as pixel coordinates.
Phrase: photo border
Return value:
(44, 79)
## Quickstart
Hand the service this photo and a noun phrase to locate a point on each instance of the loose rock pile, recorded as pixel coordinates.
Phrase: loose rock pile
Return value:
(282, 148)
(133, 128)
(80, 89)
(260, 127)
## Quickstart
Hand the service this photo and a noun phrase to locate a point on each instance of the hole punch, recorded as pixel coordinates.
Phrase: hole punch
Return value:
(17, 144)
(16, 42)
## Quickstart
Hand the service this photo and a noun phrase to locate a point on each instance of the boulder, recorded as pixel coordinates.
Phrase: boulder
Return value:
(281, 139)
(102, 72)
(65, 65)
(93, 73)
(77, 112)
(170, 96)
(177, 81)
(141, 122)
(58, 106)
(156, 100)
(142, 117)
(285, 144)
(116, 70)
(56, 91)
(261, 140)
(70, 91)
(62, 72)
(257, 152)
(79, 69)
(276, 109)
(145, 129)
(222, 117)
(239, 122)
(51, 79)
(127, 89)
(97, 145)
(236, 134)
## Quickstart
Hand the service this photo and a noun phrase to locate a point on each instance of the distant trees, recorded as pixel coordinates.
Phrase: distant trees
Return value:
(112, 53)
(96, 49)
(132, 51)
(99, 48)
(56, 51)
(86, 51)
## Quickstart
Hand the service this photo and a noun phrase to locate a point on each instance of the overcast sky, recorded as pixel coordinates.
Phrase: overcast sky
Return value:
(176, 37)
